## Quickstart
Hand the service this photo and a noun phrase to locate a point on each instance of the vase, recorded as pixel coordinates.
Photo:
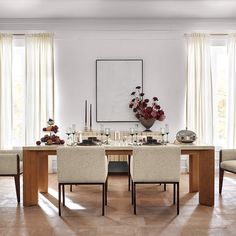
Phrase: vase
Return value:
(147, 123)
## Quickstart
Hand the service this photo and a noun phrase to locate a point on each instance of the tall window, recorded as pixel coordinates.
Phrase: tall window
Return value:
(18, 92)
(26, 84)
(219, 67)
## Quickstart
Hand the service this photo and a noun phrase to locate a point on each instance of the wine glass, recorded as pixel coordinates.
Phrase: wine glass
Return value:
(131, 132)
(136, 133)
(68, 132)
(167, 132)
(107, 133)
(162, 135)
(73, 131)
(101, 132)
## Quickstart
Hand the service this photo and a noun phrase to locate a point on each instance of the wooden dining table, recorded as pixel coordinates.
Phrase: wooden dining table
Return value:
(201, 169)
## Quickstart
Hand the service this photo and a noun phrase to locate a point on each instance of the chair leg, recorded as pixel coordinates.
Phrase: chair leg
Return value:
(178, 198)
(134, 197)
(103, 197)
(128, 172)
(106, 188)
(221, 176)
(132, 192)
(59, 199)
(63, 194)
(164, 187)
(71, 188)
(174, 193)
(17, 186)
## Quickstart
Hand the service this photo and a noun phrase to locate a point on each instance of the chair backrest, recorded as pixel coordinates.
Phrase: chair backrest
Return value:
(159, 163)
(8, 161)
(18, 151)
(81, 164)
(228, 154)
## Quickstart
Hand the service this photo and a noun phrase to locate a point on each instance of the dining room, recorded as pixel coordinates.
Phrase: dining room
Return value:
(117, 117)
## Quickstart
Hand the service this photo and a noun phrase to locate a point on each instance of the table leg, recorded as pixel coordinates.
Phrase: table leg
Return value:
(193, 173)
(30, 178)
(43, 173)
(206, 177)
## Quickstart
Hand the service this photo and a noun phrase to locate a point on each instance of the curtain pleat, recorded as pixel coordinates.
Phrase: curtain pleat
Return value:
(231, 96)
(199, 100)
(5, 90)
(39, 84)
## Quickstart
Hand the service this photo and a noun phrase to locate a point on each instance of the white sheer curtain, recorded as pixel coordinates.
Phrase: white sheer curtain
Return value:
(5, 90)
(39, 84)
(231, 98)
(199, 104)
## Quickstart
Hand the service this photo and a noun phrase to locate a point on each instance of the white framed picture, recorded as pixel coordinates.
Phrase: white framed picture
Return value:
(115, 80)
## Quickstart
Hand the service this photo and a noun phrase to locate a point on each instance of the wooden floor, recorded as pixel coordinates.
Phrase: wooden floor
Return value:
(155, 213)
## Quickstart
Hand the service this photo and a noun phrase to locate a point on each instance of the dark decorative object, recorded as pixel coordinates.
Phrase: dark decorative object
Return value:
(147, 123)
(51, 137)
(186, 136)
(147, 111)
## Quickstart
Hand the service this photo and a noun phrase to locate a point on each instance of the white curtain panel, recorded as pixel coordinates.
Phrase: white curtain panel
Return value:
(39, 84)
(5, 90)
(231, 96)
(199, 101)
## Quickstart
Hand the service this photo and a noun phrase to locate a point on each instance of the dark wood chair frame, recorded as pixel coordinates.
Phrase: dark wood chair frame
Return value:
(221, 174)
(17, 178)
(61, 188)
(133, 192)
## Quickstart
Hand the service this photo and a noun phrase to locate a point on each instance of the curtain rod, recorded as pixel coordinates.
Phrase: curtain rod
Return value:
(212, 34)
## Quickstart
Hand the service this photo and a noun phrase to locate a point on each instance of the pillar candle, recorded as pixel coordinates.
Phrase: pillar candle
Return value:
(86, 113)
(90, 112)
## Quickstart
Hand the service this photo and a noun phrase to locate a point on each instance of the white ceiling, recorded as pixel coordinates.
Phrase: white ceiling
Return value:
(117, 9)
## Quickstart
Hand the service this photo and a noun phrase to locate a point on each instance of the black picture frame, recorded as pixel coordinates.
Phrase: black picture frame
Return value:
(115, 80)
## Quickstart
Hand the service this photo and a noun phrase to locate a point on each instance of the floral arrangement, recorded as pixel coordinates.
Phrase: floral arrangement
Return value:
(148, 109)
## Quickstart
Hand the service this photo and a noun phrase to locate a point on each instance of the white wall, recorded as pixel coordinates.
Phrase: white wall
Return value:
(164, 73)
(78, 43)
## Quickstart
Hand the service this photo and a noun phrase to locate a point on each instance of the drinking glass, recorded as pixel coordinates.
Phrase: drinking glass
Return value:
(68, 132)
(162, 135)
(101, 132)
(131, 132)
(107, 133)
(167, 132)
(73, 131)
(136, 133)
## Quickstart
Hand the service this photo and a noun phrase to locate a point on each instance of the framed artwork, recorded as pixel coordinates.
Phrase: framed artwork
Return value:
(115, 80)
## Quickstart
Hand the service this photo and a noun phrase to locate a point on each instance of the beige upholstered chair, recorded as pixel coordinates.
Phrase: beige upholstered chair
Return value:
(11, 164)
(160, 164)
(227, 163)
(82, 165)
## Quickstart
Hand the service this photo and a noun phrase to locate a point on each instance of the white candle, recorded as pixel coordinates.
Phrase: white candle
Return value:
(90, 112)
(166, 128)
(162, 131)
(86, 121)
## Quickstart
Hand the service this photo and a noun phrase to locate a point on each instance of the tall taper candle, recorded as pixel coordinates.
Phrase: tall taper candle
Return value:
(86, 118)
(90, 118)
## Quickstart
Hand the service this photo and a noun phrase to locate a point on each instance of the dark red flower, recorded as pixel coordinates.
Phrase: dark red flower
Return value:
(144, 107)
